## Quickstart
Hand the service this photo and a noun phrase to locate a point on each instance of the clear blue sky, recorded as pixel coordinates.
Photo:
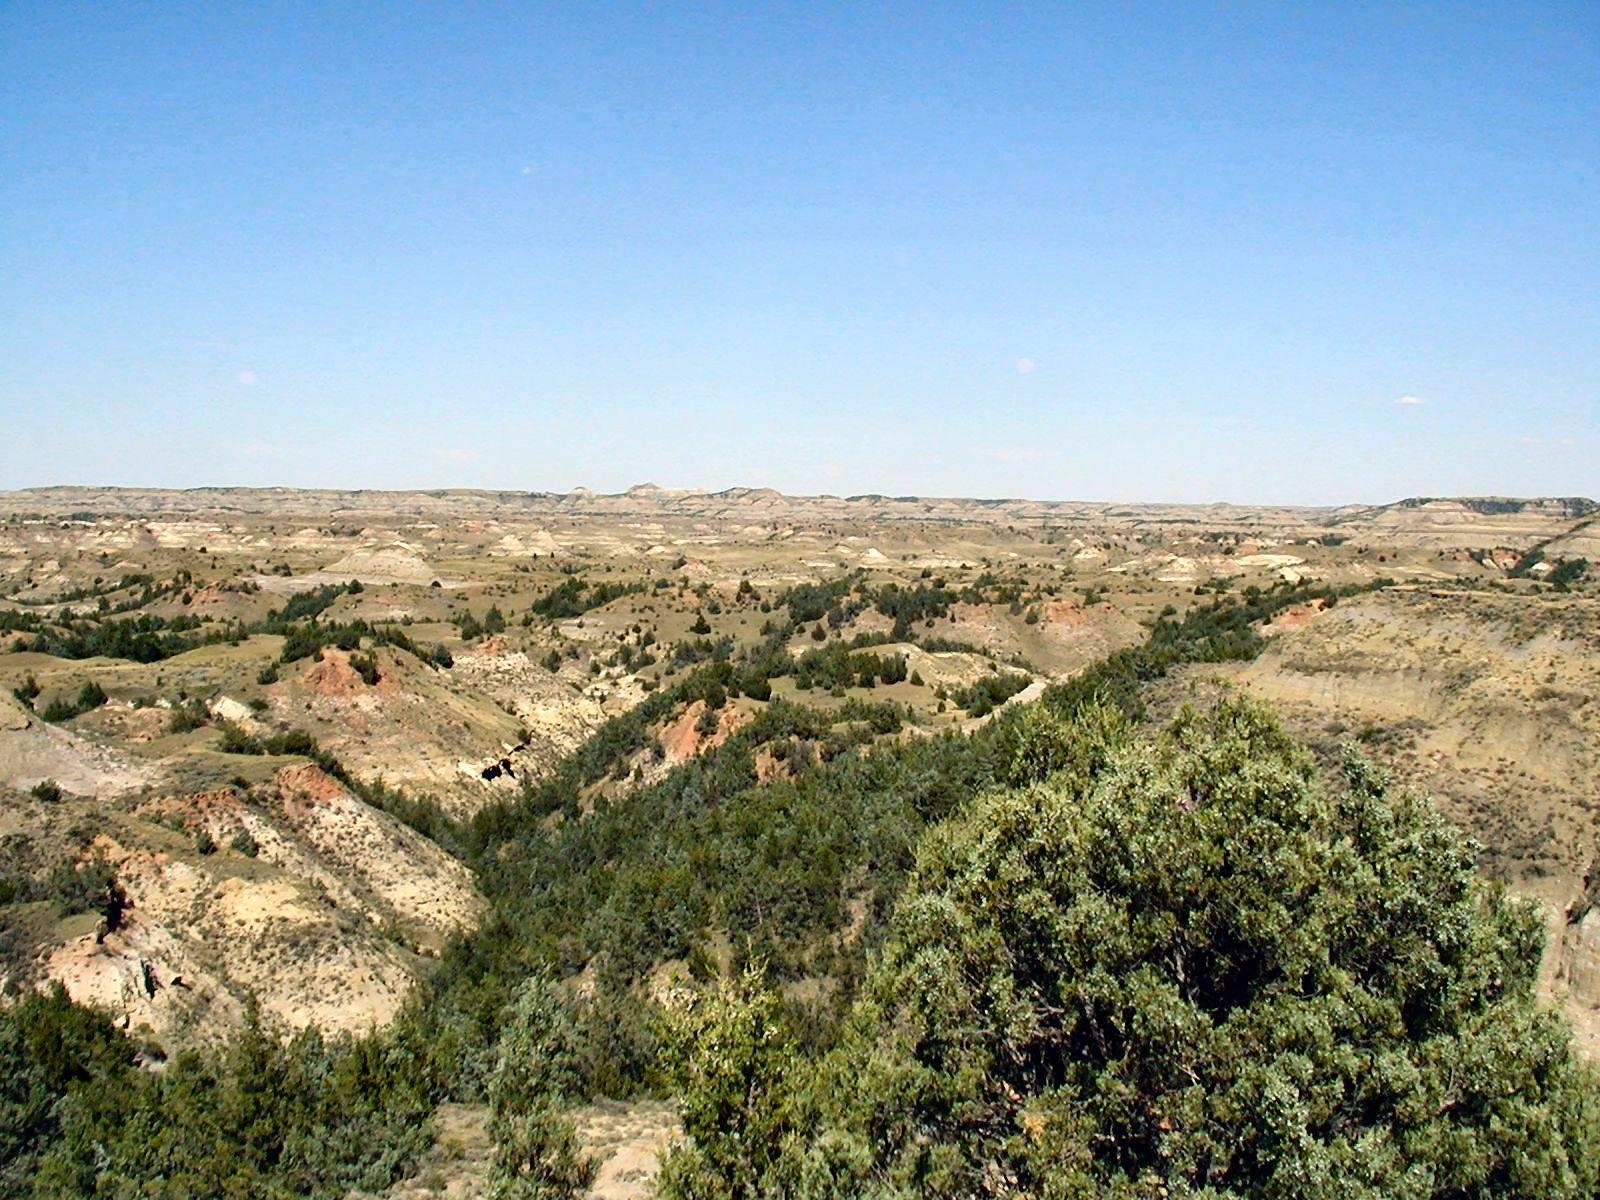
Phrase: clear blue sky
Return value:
(1315, 253)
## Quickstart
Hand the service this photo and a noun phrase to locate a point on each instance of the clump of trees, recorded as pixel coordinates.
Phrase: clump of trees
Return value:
(27, 691)
(303, 606)
(1568, 572)
(146, 638)
(235, 740)
(536, 1076)
(90, 696)
(985, 695)
(1189, 968)
(265, 1116)
(471, 628)
(151, 638)
(573, 597)
(836, 666)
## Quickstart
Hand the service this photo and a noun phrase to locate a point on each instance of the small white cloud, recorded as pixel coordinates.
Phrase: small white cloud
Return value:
(527, 169)
(247, 379)
(1016, 455)
(1026, 366)
(1411, 401)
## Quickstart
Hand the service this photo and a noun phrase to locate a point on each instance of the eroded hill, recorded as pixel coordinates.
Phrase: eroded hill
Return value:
(261, 707)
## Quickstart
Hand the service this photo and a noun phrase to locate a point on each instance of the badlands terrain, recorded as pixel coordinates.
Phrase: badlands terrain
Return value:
(242, 730)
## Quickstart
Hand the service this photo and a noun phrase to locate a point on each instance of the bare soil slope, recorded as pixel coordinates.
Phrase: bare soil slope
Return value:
(292, 890)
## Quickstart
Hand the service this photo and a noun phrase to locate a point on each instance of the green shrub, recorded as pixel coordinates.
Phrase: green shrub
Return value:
(261, 1116)
(188, 715)
(234, 740)
(58, 710)
(46, 791)
(537, 1154)
(90, 696)
(365, 666)
(986, 695)
(1567, 573)
(1187, 968)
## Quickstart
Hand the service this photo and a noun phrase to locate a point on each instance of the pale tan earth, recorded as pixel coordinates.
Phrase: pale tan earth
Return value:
(32, 751)
(626, 1140)
(329, 923)
(556, 716)
(429, 730)
(1470, 683)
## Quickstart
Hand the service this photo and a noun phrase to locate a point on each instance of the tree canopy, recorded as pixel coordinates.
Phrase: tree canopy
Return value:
(1186, 968)
(537, 1156)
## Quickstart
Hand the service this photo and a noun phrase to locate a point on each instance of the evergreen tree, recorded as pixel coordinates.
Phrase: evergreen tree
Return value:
(49, 1047)
(733, 1066)
(1186, 969)
(536, 1144)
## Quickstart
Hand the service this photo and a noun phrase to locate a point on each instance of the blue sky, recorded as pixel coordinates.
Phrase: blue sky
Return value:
(1270, 253)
